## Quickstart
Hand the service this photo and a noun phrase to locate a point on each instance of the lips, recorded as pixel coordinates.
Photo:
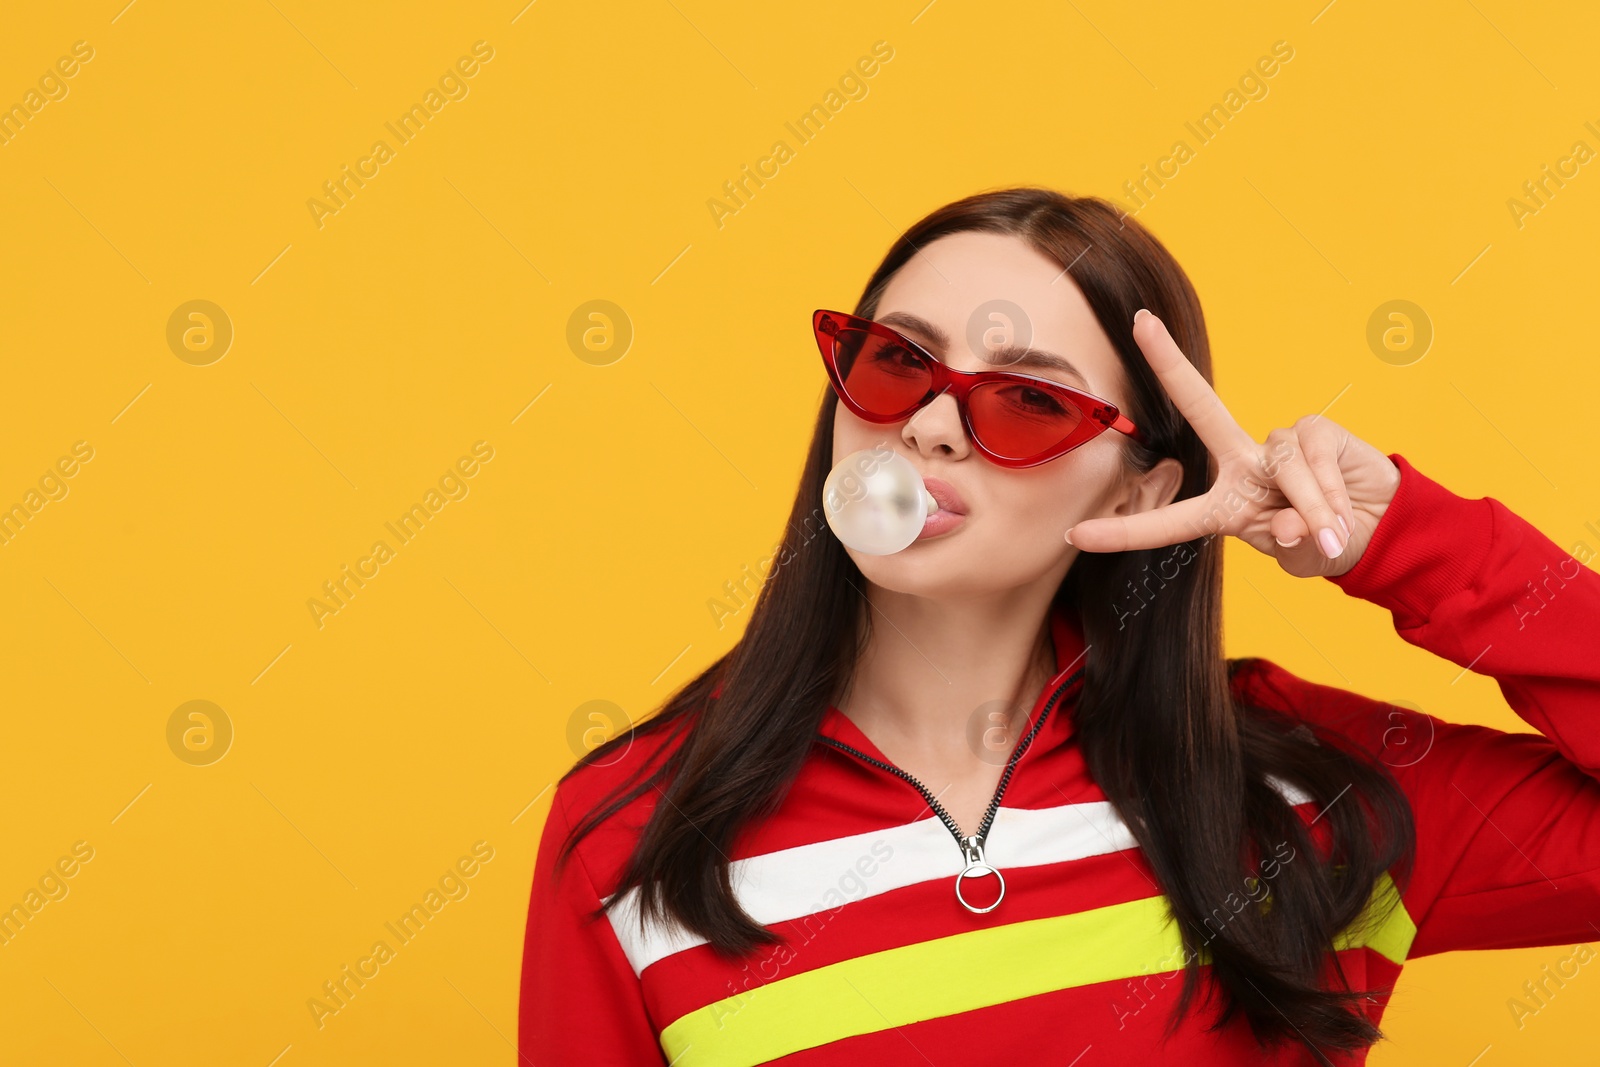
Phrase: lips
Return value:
(945, 493)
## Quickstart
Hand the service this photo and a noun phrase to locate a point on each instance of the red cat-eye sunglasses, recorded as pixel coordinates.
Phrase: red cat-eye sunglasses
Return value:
(1016, 420)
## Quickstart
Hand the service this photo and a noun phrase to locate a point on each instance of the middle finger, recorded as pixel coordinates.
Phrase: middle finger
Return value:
(1303, 487)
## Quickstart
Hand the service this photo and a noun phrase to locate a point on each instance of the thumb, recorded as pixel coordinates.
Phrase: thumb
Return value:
(1288, 528)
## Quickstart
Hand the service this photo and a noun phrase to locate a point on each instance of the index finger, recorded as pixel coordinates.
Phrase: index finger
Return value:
(1190, 392)
(1171, 524)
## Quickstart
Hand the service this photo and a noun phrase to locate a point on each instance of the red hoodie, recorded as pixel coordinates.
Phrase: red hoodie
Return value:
(881, 964)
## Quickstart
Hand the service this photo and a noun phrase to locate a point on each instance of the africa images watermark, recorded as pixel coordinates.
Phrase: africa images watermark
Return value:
(407, 527)
(739, 592)
(52, 485)
(1252, 86)
(1540, 994)
(1543, 189)
(451, 85)
(51, 886)
(1537, 598)
(849, 886)
(1154, 982)
(52, 87)
(737, 192)
(1567, 568)
(452, 885)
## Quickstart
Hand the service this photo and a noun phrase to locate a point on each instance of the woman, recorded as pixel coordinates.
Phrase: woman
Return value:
(999, 797)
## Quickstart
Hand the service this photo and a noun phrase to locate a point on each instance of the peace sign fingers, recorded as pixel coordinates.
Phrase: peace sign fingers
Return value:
(1199, 404)
(1305, 478)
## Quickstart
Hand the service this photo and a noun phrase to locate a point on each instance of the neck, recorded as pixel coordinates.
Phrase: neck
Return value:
(937, 676)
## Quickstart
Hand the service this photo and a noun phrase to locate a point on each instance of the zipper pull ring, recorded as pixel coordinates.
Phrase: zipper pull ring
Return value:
(977, 867)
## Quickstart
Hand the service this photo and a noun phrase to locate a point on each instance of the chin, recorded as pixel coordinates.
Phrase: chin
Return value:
(934, 569)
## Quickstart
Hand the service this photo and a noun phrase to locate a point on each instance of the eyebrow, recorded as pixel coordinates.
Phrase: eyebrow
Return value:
(1006, 355)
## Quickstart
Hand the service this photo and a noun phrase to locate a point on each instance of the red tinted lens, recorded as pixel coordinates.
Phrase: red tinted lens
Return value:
(881, 376)
(1018, 420)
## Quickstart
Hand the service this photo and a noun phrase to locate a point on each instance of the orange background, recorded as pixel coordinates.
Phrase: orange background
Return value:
(346, 361)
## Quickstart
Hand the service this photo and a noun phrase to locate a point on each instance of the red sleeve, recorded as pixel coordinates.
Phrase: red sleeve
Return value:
(1508, 824)
(580, 1001)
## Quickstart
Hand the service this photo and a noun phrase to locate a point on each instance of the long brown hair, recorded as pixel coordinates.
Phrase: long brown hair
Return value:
(1183, 762)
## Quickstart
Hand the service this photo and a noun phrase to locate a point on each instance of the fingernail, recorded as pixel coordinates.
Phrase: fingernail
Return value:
(1069, 539)
(1141, 311)
(1345, 526)
(1289, 544)
(1330, 542)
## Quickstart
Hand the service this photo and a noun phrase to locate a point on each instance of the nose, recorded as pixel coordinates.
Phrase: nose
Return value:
(937, 426)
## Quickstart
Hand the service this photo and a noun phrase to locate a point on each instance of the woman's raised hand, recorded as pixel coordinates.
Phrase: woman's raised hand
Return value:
(1291, 497)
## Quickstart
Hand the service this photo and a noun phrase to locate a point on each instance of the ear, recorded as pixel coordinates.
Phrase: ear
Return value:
(1155, 488)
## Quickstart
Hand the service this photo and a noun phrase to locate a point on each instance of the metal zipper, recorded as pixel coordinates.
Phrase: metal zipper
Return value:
(971, 847)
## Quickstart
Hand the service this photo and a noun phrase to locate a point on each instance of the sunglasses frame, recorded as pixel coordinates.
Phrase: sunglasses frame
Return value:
(1101, 415)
